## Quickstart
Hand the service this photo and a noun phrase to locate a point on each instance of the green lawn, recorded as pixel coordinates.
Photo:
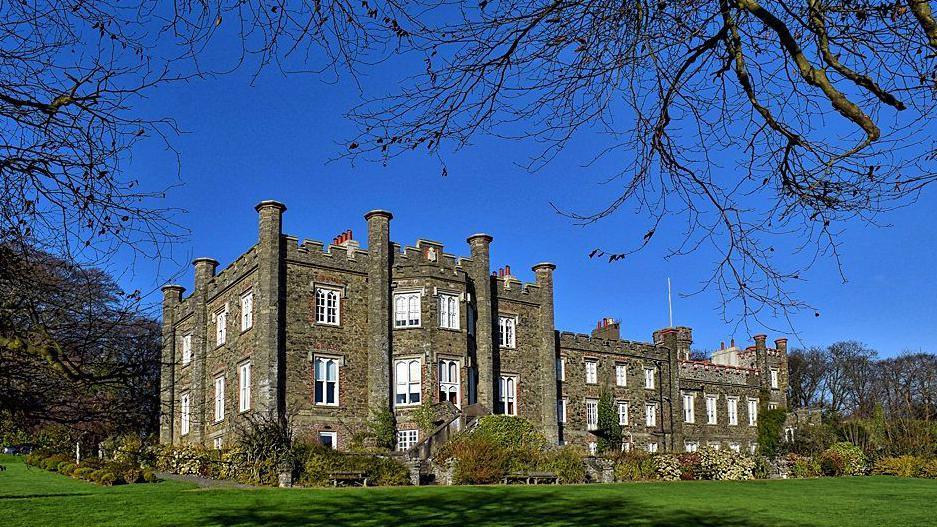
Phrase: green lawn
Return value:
(36, 497)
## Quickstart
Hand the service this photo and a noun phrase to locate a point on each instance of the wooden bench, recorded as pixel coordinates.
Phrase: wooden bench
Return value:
(531, 478)
(348, 479)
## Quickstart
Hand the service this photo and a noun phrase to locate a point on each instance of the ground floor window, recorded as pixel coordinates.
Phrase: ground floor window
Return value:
(217, 443)
(735, 447)
(406, 439)
(328, 439)
(508, 395)
(652, 447)
(691, 446)
(593, 448)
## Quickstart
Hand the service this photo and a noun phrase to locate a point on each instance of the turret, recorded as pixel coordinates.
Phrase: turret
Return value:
(172, 296)
(379, 317)
(479, 272)
(270, 356)
(548, 352)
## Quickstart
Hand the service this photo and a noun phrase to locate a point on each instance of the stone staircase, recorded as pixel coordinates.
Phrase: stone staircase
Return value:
(450, 420)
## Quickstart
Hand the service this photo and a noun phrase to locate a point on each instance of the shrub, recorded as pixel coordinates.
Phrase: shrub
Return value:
(929, 469)
(725, 465)
(635, 466)
(149, 477)
(609, 430)
(667, 467)
(514, 435)
(84, 473)
(382, 428)
(566, 462)
(478, 459)
(803, 466)
(843, 459)
(901, 466)
(66, 468)
(689, 465)
(106, 478)
(321, 462)
(51, 463)
(131, 474)
(385, 471)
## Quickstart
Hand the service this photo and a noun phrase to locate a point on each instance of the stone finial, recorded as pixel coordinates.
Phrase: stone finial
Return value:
(270, 204)
(544, 267)
(172, 293)
(204, 271)
(479, 238)
(378, 213)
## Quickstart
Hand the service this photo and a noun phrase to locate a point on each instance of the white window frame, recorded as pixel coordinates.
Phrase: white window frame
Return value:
(650, 415)
(450, 385)
(219, 398)
(735, 447)
(244, 386)
(753, 447)
(216, 443)
(689, 408)
(247, 310)
(712, 409)
(333, 437)
(561, 410)
(406, 439)
(407, 390)
(691, 446)
(592, 414)
(408, 309)
(592, 371)
(650, 378)
(624, 409)
(507, 394)
(449, 311)
(732, 407)
(772, 406)
(561, 369)
(715, 445)
(328, 306)
(775, 384)
(320, 374)
(752, 412)
(186, 349)
(185, 413)
(593, 448)
(621, 374)
(507, 331)
(651, 448)
(221, 327)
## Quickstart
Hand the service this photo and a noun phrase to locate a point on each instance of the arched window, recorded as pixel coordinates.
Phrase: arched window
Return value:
(407, 382)
(328, 306)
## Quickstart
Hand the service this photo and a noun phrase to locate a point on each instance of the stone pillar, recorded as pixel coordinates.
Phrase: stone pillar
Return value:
(172, 296)
(761, 362)
(684, 342)
(781, 345)
(548, 353)
(202, 342)
(669, 383)
(379, 313)
(268, 365)
(480, 274)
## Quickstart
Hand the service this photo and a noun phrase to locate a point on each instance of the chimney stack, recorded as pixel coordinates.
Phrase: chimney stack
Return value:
(607, 328)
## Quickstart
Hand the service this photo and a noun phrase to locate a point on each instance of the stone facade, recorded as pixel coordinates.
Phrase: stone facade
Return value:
(393, 327)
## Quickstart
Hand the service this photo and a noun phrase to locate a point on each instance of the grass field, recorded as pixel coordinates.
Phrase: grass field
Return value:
(30, 496)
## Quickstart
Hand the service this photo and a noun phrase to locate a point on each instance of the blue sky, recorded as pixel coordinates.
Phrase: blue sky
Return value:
(279, 139)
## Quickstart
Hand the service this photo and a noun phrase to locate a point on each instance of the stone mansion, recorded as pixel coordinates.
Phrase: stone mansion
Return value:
(327, 333)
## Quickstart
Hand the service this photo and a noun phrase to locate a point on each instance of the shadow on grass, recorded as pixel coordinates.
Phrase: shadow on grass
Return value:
(480, 506)
(46, 495)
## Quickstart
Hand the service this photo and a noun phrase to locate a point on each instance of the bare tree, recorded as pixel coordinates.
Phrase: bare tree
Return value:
(720, 113)
(807, 369)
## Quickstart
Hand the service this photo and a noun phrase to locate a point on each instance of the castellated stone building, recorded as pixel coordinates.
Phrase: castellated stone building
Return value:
(327, 333)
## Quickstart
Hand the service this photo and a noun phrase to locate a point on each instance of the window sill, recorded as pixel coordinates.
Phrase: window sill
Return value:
(452, 330)
(407, 327)
(243, 331)
(407, 405)
(326, 405)
(327, 325)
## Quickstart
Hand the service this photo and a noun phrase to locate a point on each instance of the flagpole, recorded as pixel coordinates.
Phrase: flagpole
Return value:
(669, 303)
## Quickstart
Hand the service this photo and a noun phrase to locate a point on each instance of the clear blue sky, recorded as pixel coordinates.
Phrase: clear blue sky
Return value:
(275, 140)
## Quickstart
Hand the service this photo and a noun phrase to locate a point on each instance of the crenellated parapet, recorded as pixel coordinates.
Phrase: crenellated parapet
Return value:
(588, 343)
(234, 273)
(717, 373)
(344, 257)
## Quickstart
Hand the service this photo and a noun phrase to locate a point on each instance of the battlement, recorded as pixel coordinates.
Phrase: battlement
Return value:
(584, 342)
(709, 372)
(314, 252)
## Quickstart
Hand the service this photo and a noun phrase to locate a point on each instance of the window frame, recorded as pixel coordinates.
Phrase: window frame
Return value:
(691, 446)
(592, 414)
(502, 331)
(409, 383)
(446, 387)
(621, 374)
(732, 410)
(592, 371)
(650, 415)
(561, 406)
(247, 310)
(561, 369)
(624, 405)
(186, 349)
(324, 295)
(651, 448)
(221, 327)
(216, 443)
(712, 417)
(408, 322)
(244, 386)
(752, 408)
(326, 360)
(407, 439)
(775, 379)
(689, 408)
(449, 312)
(650, 375)
(508, 381)
(185, 414)
(219, 398)
(333, 438)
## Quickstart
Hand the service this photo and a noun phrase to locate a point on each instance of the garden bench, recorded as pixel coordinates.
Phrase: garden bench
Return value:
(353, 478)
(531, 478)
